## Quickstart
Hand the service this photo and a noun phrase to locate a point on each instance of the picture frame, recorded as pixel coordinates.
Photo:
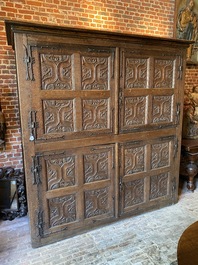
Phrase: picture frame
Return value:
(183, 28)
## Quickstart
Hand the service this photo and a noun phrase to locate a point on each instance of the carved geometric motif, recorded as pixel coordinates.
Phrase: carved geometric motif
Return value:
(62, 210)
(136, 73)
(160, 155)
(95, 73)
(95, 114)
(158, 186)
(56, 71)
(135, 108)
(162, 109)
(96, 202)
(133, 192)
(60, 172)
(96, 167)
(58, 116)
(163, 74)
(134, 159)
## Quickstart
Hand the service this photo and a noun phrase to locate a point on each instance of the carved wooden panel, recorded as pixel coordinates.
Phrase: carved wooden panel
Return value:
(60, 171)
(75, 186)
(87, 75)
(97, 202)
(134, 193)
(159, 186)
(135, 111)
(134, 159)
(145, 172)
(163, 73)
(162, 109)
(96, 114)
(56, 71)
(96, 166)
(160, 155)
(62, 210)
(95, 71)
(135, 71)
(58, 116)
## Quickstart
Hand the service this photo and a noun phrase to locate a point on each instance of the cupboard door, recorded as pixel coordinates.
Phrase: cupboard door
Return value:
(73, 96)
(147, 175)
(75, 189)
(148, 92)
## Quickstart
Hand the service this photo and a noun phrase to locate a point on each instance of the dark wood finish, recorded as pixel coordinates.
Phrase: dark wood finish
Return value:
(8, 174)
(187, 250)
(101, 121)
(189, 161)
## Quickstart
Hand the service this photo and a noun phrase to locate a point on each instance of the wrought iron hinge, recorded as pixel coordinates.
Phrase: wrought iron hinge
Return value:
(121, 186)
(120, 98)
(180, 68)
(36, 169)
(33, 125)
(40, 223)
(176, 146)
(174, 186)
(178, 111)
(29, 61)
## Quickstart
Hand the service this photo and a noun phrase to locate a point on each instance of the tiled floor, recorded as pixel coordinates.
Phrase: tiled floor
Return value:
(147, 239)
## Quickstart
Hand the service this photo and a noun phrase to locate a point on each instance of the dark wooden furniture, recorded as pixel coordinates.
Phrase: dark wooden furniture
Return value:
(189, 161)
(101, 124)
(7, 176)
(187, 250)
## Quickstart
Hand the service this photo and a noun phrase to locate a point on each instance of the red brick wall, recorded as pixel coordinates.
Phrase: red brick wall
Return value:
(191, 79)
(150, 17)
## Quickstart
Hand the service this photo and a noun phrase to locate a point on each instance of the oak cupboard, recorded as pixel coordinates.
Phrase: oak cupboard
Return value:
(101, 116)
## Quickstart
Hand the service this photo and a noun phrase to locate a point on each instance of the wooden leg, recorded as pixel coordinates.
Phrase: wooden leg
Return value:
(192, 171)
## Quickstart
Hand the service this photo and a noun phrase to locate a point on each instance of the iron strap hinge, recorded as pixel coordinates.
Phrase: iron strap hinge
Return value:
(36, 170)
(40, 223)
(33, 125)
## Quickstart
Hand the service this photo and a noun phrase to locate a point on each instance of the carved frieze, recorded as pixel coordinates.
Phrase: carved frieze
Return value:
(62, 210)
(58, 116)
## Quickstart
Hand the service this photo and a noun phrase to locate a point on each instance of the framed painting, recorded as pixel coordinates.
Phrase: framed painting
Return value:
(186, 26)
